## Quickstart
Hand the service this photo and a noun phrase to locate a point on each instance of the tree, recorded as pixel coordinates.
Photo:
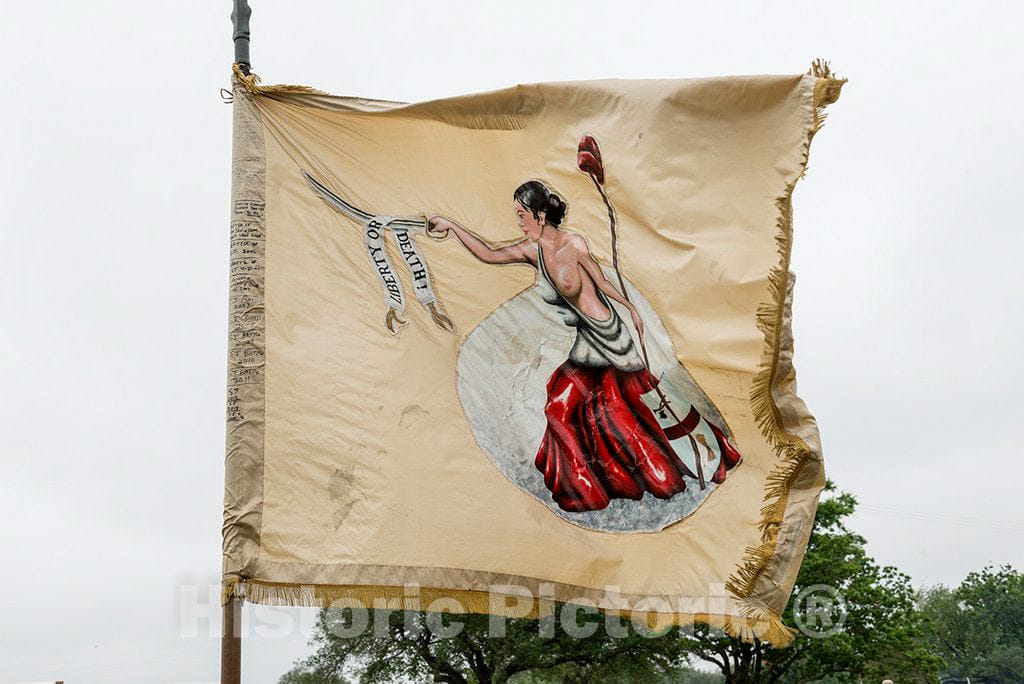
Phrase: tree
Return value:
(979, 626)
(408, 646)
(878, 633)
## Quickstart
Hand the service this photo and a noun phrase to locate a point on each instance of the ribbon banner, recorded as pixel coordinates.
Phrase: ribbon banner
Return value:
(401, 230)
(603, 412)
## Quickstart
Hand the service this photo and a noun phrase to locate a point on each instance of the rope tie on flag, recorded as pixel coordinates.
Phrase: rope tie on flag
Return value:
(228, 589)
(251, 82)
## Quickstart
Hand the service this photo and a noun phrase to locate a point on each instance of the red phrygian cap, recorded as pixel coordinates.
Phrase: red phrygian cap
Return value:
(588, 158)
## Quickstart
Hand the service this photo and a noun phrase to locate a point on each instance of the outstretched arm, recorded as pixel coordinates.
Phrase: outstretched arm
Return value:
(509, 254)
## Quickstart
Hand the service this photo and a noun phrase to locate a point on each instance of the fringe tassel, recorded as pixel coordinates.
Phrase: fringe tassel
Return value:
(792, 452)
(761, 625)
(390, 321)
(251, 82)
(396, 598)
(753, 624)
(228, 590)
(441, 318)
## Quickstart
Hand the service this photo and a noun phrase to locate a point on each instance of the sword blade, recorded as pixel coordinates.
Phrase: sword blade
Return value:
(338, 203)
(354, 212)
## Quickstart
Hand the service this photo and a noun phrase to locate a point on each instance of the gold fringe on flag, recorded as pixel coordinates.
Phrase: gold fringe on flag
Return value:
(793, 453)
(459, 601)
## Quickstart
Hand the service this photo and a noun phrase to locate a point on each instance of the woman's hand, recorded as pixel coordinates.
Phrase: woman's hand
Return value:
(438, 227)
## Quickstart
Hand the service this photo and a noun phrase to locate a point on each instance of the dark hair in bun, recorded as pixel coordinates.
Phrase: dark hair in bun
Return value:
(536, 197)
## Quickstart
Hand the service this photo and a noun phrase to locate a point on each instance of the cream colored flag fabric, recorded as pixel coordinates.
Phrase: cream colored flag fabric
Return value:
(499, 351)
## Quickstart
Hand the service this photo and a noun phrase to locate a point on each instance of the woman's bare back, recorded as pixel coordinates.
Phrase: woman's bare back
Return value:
(563, 260)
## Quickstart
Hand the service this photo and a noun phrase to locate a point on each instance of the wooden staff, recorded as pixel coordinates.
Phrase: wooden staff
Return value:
(588, 160)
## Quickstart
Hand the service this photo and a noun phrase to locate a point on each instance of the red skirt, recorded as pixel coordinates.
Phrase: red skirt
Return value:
(602, 442)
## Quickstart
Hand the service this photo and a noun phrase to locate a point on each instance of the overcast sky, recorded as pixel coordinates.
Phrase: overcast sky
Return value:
(114, 253)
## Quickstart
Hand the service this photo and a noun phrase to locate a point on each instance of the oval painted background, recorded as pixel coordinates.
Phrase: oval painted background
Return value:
(503, 368)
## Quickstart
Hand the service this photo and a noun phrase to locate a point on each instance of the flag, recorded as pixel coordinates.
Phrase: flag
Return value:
(497, 352)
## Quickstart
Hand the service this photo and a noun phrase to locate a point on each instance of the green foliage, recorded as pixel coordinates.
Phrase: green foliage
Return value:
(883, 635)
(874, 633)
(571, 674)
(400, 647)
(979, 626)
(303, 676)
(878, 633)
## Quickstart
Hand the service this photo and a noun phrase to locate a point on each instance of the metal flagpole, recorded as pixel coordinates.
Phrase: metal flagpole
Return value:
(240, 21)
(231, 632)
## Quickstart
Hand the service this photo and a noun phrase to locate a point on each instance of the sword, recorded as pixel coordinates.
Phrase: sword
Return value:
(416, 264)
(357, 214)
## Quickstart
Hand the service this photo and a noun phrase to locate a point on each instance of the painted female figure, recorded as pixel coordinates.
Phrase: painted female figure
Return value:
(602, 442)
